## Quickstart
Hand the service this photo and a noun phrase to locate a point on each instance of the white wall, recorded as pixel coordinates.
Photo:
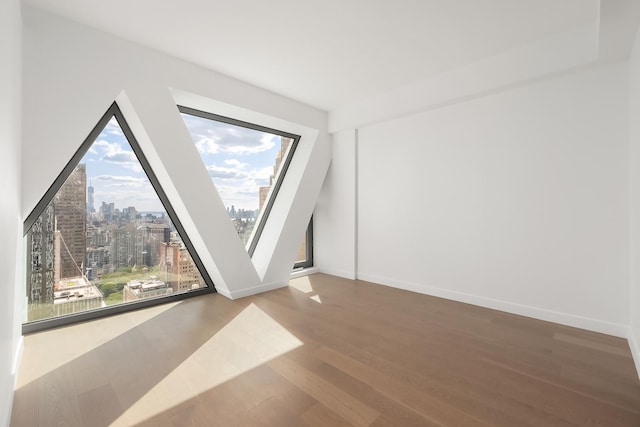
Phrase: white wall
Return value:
(516, 201)
(335, 214)
(10, 220)
(73, 73)
(634, 122)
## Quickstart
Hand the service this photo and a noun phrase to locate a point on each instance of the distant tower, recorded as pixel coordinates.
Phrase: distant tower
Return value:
(90, 207)
(264, 191)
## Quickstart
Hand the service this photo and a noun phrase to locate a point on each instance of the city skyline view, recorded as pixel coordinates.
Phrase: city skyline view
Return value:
(105, 237)
(96, 244)
(114, 172)
(238, 160)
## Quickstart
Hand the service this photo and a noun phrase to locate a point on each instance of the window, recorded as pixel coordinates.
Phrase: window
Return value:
(247, 164)
(104, 238)
(304, 257)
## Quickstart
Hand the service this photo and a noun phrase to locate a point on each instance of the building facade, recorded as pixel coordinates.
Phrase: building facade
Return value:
(70, 207)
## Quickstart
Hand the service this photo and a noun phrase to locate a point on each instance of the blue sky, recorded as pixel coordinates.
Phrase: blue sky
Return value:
(238, 160)
(116, 174)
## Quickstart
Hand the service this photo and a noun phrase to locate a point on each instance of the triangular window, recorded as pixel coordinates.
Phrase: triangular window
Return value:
(246, 162)
(105, 237)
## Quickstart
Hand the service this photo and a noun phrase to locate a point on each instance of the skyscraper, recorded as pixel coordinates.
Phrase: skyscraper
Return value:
(40, 259)
(264, 191)
(70, 207)
(90, 207)
(179, 270)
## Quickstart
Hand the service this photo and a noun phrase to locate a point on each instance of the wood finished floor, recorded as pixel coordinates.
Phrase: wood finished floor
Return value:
(325, 352)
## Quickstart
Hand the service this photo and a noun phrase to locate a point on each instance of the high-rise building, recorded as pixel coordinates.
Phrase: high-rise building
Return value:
(90, 199)
(40, 259)
(107, 211)
(153, 235)
(264, 191)
(70, 207)
(285, 143)
(126, 246)
(177, 267)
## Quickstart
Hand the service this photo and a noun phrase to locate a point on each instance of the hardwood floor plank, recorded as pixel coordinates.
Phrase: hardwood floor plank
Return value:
(98, 405)
(58, 401)
(433, 409)
(26, 405)
(402, 414)
(320, 416)
(343, 404)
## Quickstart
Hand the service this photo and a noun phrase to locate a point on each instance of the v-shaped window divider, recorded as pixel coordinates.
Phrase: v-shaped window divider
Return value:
(82, 262)
(247, 164)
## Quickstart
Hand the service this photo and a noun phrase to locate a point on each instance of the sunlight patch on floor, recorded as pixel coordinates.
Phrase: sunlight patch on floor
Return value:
(303, 284)
(249, 340)
(86, 337)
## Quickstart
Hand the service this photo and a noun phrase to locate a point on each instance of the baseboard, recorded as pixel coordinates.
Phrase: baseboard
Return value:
(224, 292)
(345, 274)
(241, 293)
(634, 345)
(615, 329)
(304, 272)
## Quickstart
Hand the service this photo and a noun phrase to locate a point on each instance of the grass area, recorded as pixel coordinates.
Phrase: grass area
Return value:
(114, 298)
(111, 284)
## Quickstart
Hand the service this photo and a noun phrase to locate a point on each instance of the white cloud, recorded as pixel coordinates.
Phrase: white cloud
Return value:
(216, 137)
(239, 176)
(114, 153)
(100, 143)
(235, 162)
(113, 128)
(206, 146)
(264, 173)
(234, 174)
(122, 179)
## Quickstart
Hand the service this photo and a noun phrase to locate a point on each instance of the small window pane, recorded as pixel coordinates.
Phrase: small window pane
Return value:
(304, 258)
(302, 251)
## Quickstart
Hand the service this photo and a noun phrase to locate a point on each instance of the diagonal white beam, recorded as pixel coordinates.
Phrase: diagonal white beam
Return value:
(157, 125)
(285, 227)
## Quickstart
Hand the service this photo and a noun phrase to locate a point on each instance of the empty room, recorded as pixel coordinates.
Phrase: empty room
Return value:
(320, 213)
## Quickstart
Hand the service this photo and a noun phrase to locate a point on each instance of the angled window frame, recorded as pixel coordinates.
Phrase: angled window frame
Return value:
(307, 263)
(263, 216)
(114, 112)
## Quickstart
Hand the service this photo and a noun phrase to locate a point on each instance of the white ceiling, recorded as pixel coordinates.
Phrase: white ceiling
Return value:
(329, 53)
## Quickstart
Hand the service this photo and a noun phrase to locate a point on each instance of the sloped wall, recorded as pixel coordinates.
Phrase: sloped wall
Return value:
(10, 220)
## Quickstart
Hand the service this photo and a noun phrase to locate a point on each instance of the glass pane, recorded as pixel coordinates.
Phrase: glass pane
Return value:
(244, 164)
(302, 251)
(105, 238)
(304, 257)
